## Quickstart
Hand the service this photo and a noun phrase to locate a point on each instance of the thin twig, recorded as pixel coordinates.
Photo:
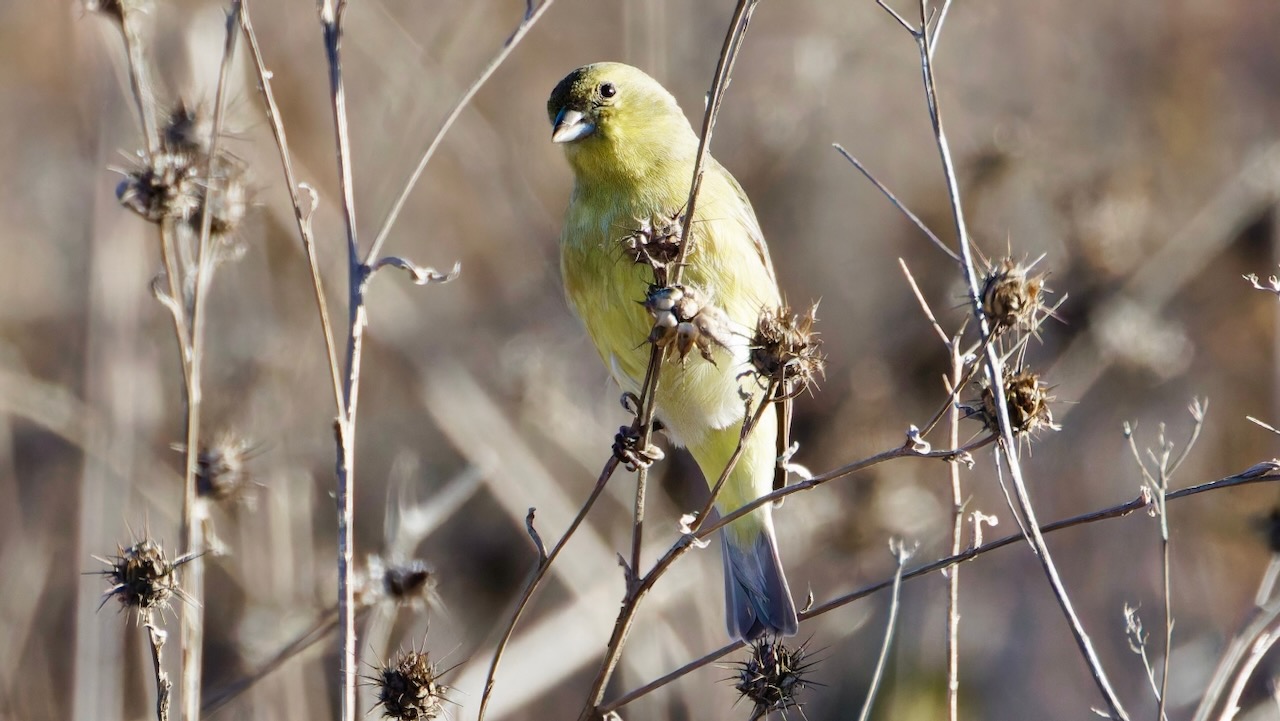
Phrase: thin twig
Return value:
(317, 631)
(1264, 616)
(638, 587)
(1158, 483)
(301, 212)
(140, 79)
(995, 375)
(957, 539)
(901, 555)
(884, 190)
(156, 637)
(331, 19)
(907, 450)
(724, 70)
(1262, 644)
(540, 572)
(928, 312)
(693, 538)
(1265, 472)
(648, 399)
(531, 17)
(648, 407)
(193, 522)
(749, 423)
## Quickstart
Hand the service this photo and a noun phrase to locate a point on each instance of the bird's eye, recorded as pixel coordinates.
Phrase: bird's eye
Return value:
(608, 90)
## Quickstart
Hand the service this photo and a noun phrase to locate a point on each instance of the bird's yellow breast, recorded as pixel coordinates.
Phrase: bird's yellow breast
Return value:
(606, 288)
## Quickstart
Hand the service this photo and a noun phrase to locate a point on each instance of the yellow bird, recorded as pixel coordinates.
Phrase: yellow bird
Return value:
(632, 151)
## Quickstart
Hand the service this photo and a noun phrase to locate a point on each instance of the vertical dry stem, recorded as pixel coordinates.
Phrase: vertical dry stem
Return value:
(193, 513)
(155, 640)
(331, 17)
(957, 538)
(995, 371)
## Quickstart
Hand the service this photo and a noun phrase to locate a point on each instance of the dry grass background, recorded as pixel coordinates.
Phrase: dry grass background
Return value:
(1133, 144)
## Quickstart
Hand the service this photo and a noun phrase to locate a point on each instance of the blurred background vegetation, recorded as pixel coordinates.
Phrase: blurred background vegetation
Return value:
(1134, 145)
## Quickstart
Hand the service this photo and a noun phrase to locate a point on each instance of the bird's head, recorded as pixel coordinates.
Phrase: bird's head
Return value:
(613, 119)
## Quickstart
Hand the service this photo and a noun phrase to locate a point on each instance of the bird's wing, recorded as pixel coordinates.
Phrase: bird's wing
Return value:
(746, 216)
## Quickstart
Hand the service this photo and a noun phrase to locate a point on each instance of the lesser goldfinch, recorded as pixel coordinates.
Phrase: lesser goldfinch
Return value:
(632, 151)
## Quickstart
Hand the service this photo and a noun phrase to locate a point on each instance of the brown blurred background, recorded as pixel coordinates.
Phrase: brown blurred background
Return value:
(1133, 145)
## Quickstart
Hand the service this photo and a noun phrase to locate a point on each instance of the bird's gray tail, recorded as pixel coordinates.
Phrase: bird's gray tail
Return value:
(757, 597)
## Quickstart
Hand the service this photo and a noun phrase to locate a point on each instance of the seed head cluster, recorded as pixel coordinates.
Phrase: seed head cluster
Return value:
(410, 689)
(685, 318)
(174, 184)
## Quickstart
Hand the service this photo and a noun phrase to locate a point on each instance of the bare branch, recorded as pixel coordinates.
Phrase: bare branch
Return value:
(901, 555)
(1264, 472)
(531, 16)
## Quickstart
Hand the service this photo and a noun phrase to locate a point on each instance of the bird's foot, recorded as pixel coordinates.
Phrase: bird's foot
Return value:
(626, 448)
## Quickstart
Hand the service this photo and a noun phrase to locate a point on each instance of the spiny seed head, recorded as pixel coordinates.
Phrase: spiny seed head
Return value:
(167, 188)
(685, 317)
(141, 576)
(175, 184)
(410, 688)
(1027, 399)
(221, 468)
(786, 349)
(655, 241)
(772, 677)
(1011, 298)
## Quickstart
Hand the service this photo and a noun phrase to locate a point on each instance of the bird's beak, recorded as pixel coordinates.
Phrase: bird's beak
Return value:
(571, 125)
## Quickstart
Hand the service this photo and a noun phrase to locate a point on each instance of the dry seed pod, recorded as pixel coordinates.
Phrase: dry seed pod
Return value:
(1011, 298)
(786, 349)
(410, 688)
(772, 677)
(141, 576)
(1027, 401)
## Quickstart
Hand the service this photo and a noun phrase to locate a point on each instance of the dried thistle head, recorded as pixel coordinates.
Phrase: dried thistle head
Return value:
(174, 185)
(167, 188)
(655, 241)
(1012, 298)
(141, 576)
(222, 472)
(410, 688)
(1027, 400)
(772, 677)
(686, 318)
(786, 349)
